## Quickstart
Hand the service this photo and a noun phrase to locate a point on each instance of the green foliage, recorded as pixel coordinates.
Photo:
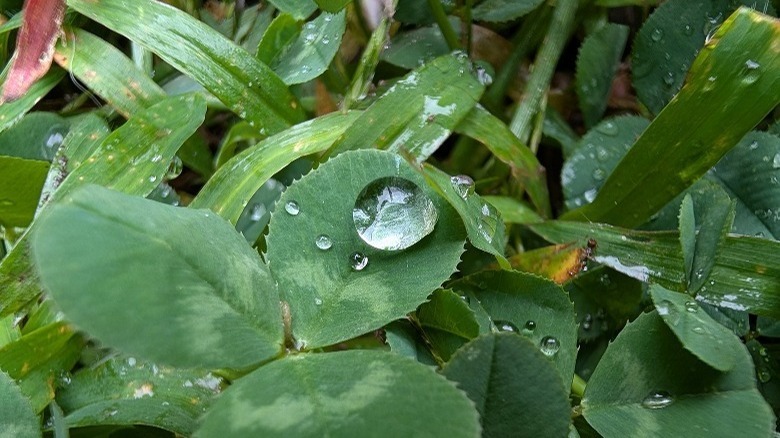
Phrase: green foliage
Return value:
(428, 218)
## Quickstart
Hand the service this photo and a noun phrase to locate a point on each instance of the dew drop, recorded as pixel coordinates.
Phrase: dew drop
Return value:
(463, 184)
(753, 145)
(691, 306)
(152, 178)
(174, 168)
(318, 301)
(657, 400)
(505, 326)
(156, 158)
(608, 128)
(325, 41)
(292, 208)
(590, 195)
(657, 34)
(257, 212)
(776, 161)
(549, 346)
(483, 76)
(599, 174)
(764, 376)
(587, 322)
(529, 327)
(323, 242)
(751, 65)
(358, 261)
(688, 30)
(699, 330)
(669, 79)
(393, 213)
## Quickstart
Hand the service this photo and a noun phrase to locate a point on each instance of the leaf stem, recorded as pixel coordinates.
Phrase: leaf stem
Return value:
(361, 80)
(544, 66)
(524, 40)
(444, 24)
(578, 386)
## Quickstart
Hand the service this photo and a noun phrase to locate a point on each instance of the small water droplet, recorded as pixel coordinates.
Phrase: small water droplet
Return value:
(608, 128)
(529, 327)
(669, 79)
(292, 208)
(699, 330)
(764, 376)
(257, 212)
(323, 242)
(602, 154)
(156, 158)
(753, 145)
(318, 301)
(549, 346)
(657, 34)
(358, 261)
(325, 41)
(174, 168)
(688, 29)
(657, 400)
(751, 65)
(483, 76)
(463, 184)
(587, 322)
(393, 213)
(590, 195)
(691, 306)
(505, 326)
(599, 174)
(776, 161)
(310, 37)
(152, 178)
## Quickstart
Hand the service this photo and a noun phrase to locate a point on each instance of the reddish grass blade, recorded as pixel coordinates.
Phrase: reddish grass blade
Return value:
(41, 26)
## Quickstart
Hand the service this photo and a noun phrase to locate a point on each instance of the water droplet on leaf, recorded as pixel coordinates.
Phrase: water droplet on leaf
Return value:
(292, 208)
(776, 161)
(463, 184)
(529, 327)
(657, 400)
(174, 169)
(657, 34)
(505, 326)
(358, 261)
(393, 213)
(257, 212)
(323, 242)
(608, 128)
(549, 346)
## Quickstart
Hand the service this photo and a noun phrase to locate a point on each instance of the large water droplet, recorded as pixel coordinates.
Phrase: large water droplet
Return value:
(323, 242)
(358, 261)
(292, 208)
(393, 213)
(505, 326)
(463, 184)
(657, 400)
(549, 346)
(174, 168)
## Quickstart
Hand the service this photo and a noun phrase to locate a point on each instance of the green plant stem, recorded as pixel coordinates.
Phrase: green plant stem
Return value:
(546, 60)
(444, 24)
(524, 40)
(143, 59)
(578, 386)
(368, 62)
(467, 24)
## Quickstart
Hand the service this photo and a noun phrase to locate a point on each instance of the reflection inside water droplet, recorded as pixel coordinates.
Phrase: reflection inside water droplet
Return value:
(393, 213)
(529, 327)
(657, 400)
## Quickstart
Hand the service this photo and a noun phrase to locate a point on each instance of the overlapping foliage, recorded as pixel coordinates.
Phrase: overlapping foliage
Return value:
(307, 218)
